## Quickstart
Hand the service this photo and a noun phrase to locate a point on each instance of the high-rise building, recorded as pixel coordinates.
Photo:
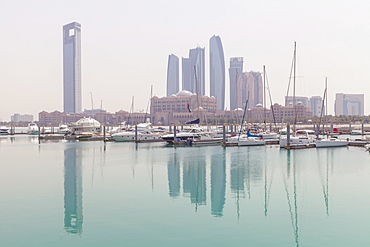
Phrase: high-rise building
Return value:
(217, 71)
(186, 73)
(197, 68)
(193, 77)
(72, 68)
(172, 75)
(249, 86)
(235, 70)
(21, 118)
(316, 106)
(349, 104)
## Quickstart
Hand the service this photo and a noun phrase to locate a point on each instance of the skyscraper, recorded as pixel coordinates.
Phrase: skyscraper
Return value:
(235, 70)
(172, 75)
(193, 77)
(316, 106)
(249, 86)
(197, 68)
(186, 72)
(217, 71)
(349, 104)
(72, 68)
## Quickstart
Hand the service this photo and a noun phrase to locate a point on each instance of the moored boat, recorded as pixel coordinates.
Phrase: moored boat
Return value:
(4, 130)
(331, 142)
(33, 129)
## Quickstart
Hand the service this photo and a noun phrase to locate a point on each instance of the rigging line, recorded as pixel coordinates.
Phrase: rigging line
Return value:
(271, 102)
(322, 107)
(287, 92)
(264, 96)
(150, 97)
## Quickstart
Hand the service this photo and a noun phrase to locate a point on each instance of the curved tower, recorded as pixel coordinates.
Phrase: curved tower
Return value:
(172, 75)
(217, 71)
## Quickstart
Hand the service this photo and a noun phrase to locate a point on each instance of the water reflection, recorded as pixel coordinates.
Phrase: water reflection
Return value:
(292, 206)
(73, 217)
(194, 179)
(218, 183)
(173, 171)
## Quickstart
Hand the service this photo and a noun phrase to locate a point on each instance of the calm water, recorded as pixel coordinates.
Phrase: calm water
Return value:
(126, 194)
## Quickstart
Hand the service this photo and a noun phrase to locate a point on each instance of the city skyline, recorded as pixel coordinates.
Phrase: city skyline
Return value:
(118, 62)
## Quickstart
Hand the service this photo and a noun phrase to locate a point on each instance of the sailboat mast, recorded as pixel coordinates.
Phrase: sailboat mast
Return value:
(264, 96)
(197, 92)
(326, 95)
(294, 75)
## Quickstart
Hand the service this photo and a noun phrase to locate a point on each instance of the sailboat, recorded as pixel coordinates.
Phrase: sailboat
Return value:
(245, 139)
(267, 134)
(329, 141)
(300, 139)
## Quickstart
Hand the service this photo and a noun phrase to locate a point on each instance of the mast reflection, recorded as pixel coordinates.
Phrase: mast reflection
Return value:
(73, 217)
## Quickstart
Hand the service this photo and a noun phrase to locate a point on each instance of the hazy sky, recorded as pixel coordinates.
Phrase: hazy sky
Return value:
(125, 47)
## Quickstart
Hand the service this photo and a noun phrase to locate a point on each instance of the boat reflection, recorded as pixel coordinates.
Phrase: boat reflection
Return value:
(73, 217)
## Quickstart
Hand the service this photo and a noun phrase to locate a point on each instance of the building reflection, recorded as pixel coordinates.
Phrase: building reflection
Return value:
(218, 183)
(193, 172)
(173, 174)
(73, 217)
(190, 172)
(194, 179)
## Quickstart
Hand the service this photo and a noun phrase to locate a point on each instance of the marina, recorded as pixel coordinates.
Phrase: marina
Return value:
(96, 193)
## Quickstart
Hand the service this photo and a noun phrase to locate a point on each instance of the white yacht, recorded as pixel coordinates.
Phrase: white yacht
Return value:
(301, 137)
(144, 134)
(184, 135)
(4, 130)
(331, 142)
(33, 129)
(63, 129)
(84, 128)
(204, 138)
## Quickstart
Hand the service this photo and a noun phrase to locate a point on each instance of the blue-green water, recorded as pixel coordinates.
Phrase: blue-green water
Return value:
(147, 194)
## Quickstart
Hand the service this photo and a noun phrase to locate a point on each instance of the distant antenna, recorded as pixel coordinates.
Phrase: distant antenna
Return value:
(92, 102)
(101, 104)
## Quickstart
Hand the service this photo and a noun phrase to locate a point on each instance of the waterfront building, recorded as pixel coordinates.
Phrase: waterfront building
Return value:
(314, 103)
(297, 99)
(51, 119)
(235, 71)
(316, 106)
(217, 71)
(172, 75)
(21, 118)
(249, 86)
(349, 104)
(282, 114)
(181, 107)
(289, 113)
(72, 68)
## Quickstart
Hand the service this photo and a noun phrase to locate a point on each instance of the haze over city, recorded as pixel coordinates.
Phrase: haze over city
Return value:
(125, 47)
